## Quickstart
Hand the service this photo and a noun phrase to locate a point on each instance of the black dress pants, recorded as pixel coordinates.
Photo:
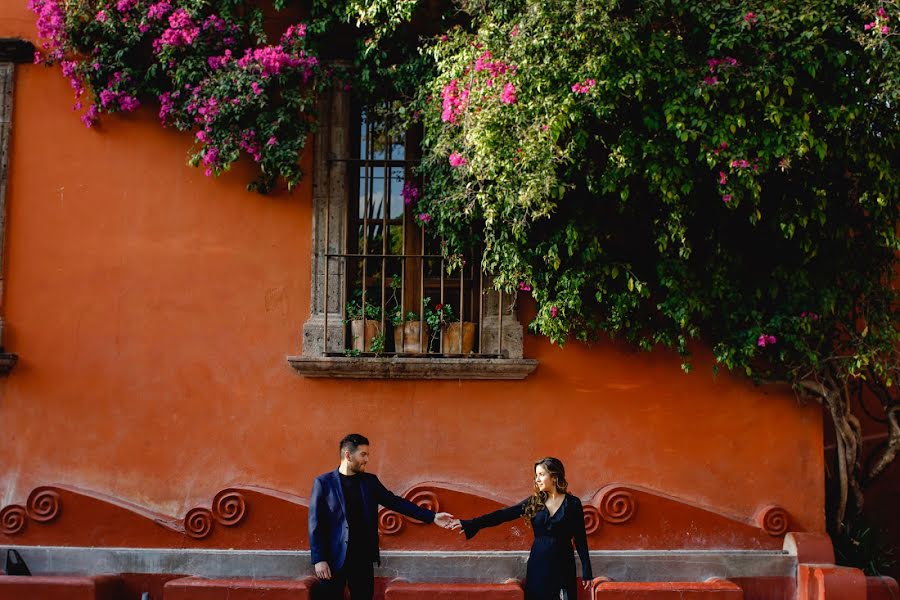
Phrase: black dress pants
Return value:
(356, 574)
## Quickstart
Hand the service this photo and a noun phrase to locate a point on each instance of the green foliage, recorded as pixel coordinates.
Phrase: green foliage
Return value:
(669, 171)
(659, 171)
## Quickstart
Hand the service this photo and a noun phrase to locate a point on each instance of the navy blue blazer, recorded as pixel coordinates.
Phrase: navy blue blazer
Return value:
(329, 533)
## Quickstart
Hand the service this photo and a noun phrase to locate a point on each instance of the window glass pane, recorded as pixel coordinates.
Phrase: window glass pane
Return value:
(396, 197)
(398, 149)
(363, 128)
(375, 190)
(377, 141)
(395, 240)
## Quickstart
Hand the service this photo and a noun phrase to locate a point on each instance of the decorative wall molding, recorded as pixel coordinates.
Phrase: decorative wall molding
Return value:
(618, 516)
(13, 519)
(44, 505)
(774, 520)
(616, 505)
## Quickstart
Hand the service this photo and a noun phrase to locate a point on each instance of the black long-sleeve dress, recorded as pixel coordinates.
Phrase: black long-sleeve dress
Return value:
(551, 564)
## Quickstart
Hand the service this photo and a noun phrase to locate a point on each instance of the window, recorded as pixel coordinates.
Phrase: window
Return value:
(12, 51)
(384, 302)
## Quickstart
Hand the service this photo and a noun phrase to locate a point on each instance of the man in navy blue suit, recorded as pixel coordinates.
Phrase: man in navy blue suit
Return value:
(343, 522)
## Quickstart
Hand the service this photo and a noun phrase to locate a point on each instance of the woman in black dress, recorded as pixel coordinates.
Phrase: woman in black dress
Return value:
(556, 517)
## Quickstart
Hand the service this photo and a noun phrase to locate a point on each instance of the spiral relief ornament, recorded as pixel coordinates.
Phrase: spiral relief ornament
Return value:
(592, 520)
(617, 505)
(13, 519)
(44, 505)
(426, 499)
(390, 522)
(229, 507)
(774, 520)
(198, 523)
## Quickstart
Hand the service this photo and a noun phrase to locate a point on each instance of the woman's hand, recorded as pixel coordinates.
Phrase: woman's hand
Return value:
(586, 584)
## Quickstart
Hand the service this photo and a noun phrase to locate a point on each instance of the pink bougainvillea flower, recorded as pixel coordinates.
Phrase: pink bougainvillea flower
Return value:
(524, 286)
(159, 10)
(726, 198)
(583, 87)
(750, 18)
(885, 29)
(765, 340)
(509, 94)
(457, 160)
(553, 312)
(723, 178)
(882, 13)
(711, 80)
(424, 217)
(455, 99)
(101, 16)
(410, 193)
(272, 141)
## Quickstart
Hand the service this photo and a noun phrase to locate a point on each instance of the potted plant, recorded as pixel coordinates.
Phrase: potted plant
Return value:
(409, 336)
(458, 337)
(367, 334)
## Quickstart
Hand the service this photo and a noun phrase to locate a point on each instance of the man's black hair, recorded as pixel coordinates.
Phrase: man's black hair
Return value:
(352, 441)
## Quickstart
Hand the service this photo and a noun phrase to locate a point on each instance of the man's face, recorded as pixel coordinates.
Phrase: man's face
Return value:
(357, 461)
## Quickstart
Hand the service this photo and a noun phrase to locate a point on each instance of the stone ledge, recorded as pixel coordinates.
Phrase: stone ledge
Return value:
(59, 587)
(412, 368)
(7, 362)
(403, 590)
(195, 588)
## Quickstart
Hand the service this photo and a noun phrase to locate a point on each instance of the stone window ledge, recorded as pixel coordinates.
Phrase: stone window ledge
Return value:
(355, 367)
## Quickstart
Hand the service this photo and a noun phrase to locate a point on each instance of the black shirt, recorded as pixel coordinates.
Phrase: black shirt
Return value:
(360, 545)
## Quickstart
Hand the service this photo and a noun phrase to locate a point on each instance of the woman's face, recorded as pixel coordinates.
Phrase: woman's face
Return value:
(544, 480)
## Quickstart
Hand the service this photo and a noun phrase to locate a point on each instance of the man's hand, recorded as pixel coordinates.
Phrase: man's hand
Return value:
(323, 571)
(446, 520)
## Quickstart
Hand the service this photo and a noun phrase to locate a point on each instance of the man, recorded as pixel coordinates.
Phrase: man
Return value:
(343, 522)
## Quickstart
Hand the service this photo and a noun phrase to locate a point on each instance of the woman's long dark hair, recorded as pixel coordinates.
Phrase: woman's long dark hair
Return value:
(555, 467)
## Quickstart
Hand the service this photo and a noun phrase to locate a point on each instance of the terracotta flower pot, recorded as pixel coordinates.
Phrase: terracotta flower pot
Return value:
(454, 343)
(410, 339)
(363, 332)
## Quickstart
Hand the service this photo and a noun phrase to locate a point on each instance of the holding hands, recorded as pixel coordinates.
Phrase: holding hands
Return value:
(446, 520)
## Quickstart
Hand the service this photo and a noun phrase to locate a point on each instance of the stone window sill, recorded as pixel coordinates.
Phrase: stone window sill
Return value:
(412, 368)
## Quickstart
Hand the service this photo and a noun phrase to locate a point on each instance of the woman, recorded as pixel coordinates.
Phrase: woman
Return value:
(556, 518)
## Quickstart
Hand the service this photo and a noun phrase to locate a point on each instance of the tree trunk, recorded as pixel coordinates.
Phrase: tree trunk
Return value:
(848, 439)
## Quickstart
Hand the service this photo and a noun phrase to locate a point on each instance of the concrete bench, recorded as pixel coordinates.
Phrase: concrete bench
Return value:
(59, 587)
(405, 590)
(197, 588)
(714, 589)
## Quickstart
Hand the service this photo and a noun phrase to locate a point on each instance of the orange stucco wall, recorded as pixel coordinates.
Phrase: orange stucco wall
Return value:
(152, 310)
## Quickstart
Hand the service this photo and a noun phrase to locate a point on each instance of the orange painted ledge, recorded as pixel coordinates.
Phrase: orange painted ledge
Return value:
(830, 582)
(714, 589)
(405, 590)
(59, 587)
(882, 588)
(196, 588)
